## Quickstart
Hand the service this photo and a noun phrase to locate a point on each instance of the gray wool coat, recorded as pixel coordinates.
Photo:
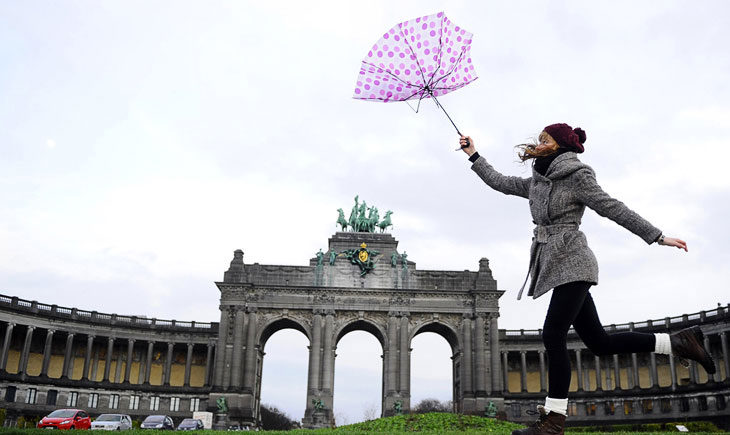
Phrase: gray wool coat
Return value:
(559, 253)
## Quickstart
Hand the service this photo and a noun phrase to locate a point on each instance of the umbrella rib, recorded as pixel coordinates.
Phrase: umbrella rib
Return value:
(453, 68)
(413, 53)
(441, 52)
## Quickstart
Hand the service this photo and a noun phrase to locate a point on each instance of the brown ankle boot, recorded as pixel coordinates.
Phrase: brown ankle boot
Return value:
(548, 424)
(688, 344)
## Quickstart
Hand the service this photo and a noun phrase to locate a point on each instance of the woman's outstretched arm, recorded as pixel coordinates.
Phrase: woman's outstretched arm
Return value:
(502, 183)
(593, 196)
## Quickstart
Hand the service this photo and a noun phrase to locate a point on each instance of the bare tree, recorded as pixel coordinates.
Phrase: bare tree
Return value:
(340, 419)
(274, 419)
(371, 411)
(431, 405)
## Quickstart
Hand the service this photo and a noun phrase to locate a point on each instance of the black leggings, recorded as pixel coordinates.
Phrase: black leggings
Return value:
(572, 304)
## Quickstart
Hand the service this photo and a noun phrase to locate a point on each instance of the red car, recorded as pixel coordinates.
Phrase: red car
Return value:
(66, 419)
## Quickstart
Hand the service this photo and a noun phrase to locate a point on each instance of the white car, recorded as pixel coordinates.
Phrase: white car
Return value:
(112, 422)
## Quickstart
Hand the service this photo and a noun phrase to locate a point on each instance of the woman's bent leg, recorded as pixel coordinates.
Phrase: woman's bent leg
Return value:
(589, 328)
(565, 304)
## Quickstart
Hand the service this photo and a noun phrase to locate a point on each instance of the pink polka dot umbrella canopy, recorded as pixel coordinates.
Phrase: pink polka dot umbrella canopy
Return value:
(425, 57)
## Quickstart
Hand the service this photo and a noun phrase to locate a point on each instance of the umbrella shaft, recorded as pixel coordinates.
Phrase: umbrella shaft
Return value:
(445, 113)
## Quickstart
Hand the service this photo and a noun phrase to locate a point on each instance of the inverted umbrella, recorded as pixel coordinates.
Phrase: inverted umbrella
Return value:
(426, 57)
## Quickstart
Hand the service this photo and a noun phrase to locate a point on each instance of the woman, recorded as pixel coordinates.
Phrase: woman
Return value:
(559, 190)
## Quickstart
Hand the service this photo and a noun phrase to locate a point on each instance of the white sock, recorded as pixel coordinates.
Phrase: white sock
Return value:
(559, 406)
(663, 345)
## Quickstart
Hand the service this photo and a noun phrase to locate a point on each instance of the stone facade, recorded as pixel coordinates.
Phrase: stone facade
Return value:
(326, 301)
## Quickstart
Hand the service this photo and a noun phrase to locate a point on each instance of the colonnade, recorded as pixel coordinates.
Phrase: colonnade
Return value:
(607, 370)
(125, 350)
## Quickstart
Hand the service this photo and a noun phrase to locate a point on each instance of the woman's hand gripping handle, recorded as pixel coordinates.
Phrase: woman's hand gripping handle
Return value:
(466, 144)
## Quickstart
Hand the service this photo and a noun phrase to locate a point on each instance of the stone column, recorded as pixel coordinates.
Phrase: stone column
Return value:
(725, 354)
(392, 369)
(494, 353)
(654, 373)
(67, 356)
(249, 373)
(617, 373)
(168, 362)
(715, 377)
(23, 367)
(328, 358)
(315, 349)
(523, 370)
(6, 346)
(479, 361)
(635, 367)
(108, 361)
(130, 354)
(188, 364)
(599, 384)
(87, 358)
(118, 368)
(579, 368)
(543, 375)
(47, 352)
(208, 361)
(95, 365)
(148, 363)
(142, 369)
(466, 379)
(220, 357)
(673, 372)
(505, 367)
(693, 378)
(405, 363)
(238, 337)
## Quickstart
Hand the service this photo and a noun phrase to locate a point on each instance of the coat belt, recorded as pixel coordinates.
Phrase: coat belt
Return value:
(542, 233)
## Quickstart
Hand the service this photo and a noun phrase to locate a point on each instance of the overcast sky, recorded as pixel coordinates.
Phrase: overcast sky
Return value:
(144, 141)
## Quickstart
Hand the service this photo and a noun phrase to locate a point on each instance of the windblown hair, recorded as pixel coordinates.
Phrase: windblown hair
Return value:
(527, 151)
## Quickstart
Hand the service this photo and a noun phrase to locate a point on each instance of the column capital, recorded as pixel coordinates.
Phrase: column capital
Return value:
(523, 352)
(721, 333)
(131, 340)
(71, 334)
(50, 331)
(31, 327)
(191, 345)
(90, 336)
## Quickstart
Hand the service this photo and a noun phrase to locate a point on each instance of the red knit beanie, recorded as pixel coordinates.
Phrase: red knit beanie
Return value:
(567, 137)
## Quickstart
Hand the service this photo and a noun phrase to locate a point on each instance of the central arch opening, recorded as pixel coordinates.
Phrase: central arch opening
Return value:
(358, 374)
(433, 369)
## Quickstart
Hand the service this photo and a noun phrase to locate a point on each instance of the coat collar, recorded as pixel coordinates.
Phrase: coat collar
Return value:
(563, 165)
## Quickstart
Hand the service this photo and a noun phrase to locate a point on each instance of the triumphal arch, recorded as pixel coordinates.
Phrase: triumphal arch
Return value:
(363, 281)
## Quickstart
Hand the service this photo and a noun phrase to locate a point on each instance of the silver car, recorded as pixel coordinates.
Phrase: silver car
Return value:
(112, 422)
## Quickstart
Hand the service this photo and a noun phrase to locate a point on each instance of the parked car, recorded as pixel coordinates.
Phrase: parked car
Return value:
(66, 419)
(112, 422)
(191, 424)
(161, 422)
